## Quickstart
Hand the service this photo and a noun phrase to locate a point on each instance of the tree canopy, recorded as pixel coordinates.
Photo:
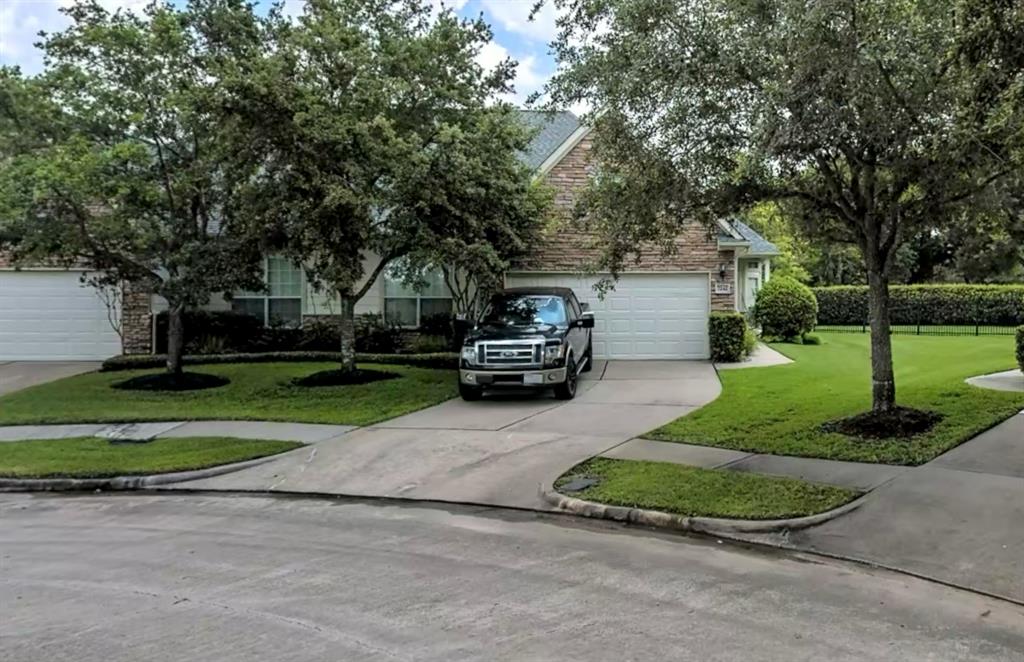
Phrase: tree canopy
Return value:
(870, 120)
(377, 138)
(114, 156)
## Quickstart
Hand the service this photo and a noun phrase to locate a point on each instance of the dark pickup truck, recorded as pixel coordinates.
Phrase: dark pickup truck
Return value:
(528, 336)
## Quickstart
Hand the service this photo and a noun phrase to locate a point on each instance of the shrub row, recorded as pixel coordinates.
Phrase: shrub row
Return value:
(728, 333)
(1020, 347)
(995, 305)
(440, 360)
(224, 331)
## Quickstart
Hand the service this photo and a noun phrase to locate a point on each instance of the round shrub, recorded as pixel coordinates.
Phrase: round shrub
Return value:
(727, 332)
(785, 308)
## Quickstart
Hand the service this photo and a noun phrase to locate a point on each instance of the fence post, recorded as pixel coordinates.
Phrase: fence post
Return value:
(977, 329)
(918, 328)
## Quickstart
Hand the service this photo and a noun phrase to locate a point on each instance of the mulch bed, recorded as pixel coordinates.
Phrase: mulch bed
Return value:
(343, 377)
(165, 381)
(900, 422)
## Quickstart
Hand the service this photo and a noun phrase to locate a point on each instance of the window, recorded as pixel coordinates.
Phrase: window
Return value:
(281, 304)
(408, 307)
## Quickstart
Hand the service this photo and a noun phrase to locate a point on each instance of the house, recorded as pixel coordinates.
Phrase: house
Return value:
(658, 309)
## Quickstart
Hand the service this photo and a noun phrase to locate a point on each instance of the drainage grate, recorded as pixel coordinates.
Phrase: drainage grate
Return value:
(578, 484)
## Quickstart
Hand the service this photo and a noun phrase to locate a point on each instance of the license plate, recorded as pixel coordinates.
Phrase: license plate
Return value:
(533, 379)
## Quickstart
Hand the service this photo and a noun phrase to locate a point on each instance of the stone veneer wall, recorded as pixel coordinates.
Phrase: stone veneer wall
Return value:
(564, 249)
(136, 321)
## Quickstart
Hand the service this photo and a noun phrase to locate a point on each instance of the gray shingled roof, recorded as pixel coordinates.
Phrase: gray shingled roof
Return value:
(758, 244)
(554, 128)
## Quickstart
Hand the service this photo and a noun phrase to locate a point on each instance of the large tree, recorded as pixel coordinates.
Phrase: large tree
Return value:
(115, 160)
(378, 140)
(869, 119)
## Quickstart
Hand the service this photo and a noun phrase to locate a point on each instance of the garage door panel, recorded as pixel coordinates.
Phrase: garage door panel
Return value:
(51, 315)
(647, 316)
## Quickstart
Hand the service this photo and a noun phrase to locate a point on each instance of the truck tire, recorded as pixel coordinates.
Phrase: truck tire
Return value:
(589, 355)
(470, 393)
(567, 389)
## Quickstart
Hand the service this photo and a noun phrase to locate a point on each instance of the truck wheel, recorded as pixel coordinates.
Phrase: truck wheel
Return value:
(470, 393)
(567, 389)
(589, 356)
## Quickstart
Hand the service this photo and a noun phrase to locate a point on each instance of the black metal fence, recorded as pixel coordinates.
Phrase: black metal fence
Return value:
(926, 329)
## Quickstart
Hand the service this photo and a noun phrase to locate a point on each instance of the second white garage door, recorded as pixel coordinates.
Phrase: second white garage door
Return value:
(647, 316)
(51, 316)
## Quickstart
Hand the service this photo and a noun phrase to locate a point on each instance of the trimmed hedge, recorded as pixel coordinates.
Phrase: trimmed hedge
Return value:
(989, 305)
(1020, 347)
(785, 308)
(443, 360)
(728, 334)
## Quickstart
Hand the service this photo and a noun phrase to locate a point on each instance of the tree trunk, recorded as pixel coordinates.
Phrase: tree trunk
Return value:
(347, 332)
(883, 383)
(175, 338)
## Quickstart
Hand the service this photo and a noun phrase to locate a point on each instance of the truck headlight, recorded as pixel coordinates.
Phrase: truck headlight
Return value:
(469, 354)
(553, 353)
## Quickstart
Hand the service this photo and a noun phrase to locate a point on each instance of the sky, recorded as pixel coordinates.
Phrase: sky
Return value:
(515, 35)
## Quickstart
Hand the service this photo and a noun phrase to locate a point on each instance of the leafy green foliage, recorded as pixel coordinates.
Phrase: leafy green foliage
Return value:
(785, 309)
(994, 305)
(376, 336)
(695, 492)
(780, 410)
(376, 144)
(727, 333)
(92, 457)
(869, 120)
(115, 158)
(257, 391)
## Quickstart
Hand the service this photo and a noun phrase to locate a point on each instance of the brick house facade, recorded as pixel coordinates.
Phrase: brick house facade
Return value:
(562, 249)
(717, 268)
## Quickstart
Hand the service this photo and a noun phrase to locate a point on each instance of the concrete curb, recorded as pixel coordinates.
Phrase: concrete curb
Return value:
(122, 482)
(707, 525)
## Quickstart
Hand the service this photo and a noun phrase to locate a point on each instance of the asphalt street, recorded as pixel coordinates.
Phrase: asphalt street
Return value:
(193, 577)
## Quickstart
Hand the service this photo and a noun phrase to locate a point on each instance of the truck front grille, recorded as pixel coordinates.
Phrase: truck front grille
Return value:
(511, 354)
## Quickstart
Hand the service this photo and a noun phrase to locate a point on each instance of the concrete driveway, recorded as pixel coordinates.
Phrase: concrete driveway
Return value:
(497, 451)
(16, 375)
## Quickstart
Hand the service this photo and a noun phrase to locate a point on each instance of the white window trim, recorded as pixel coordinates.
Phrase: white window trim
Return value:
(266, 297)
(419, 307)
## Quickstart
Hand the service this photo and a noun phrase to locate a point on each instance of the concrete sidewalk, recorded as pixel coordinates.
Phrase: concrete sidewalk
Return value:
(959, 518)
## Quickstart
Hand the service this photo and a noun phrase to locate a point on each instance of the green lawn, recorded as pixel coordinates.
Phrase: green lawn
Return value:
(92, 457)
(695, 492)
(779, 410)
(258, 391)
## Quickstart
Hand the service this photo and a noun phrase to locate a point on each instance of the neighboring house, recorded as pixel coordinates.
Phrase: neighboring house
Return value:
(658, 309)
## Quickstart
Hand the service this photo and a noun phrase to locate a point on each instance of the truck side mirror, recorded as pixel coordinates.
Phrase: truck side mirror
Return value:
(586, 320)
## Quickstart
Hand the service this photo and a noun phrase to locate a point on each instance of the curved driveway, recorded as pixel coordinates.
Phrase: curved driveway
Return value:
(497, 451)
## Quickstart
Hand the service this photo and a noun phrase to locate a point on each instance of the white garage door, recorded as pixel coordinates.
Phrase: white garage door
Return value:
(647, 316)
(50, 315)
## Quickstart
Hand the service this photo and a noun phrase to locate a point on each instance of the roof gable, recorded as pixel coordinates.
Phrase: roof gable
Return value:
(553, 129)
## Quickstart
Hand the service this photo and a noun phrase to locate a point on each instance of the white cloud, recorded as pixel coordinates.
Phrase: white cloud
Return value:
(22, 20)
(528, 78)
(514, 16)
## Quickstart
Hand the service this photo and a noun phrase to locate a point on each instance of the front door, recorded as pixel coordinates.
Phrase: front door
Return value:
(752, 287)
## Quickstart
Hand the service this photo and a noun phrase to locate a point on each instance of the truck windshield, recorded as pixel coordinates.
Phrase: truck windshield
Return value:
(525, 310)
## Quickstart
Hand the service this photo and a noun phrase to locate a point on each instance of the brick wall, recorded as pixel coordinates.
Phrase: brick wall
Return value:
(136, 321)
(565, 249)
